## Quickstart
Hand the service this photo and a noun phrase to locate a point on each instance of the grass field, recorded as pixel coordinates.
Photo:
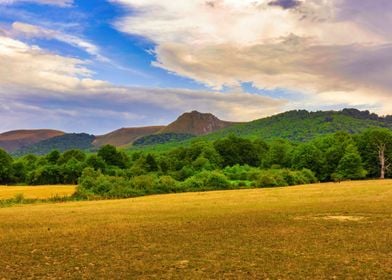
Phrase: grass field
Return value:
(326, 231)
(36, 192)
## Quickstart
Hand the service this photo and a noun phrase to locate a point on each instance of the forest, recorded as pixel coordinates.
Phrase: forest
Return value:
(227, 163)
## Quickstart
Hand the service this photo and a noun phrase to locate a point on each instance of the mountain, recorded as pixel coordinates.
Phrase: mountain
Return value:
(196, 123)
(125, 136)
(187, 125)
(62, 143)
(297, 126)
(17, 139)
(301, 125)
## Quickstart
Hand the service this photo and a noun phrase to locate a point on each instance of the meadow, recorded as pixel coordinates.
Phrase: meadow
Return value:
(321, 231)
(36, 192)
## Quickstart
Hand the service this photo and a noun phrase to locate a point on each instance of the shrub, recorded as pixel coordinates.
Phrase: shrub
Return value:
(266, 180)
(207, 180)
(143, 182)
(166, 184)
(237, 172)
(93, 183)
(284, 177)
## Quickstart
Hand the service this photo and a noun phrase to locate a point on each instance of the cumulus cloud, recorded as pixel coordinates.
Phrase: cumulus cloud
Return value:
(36, 84)
(29, 66)
(319, 48)
(34, 31)
(60, 3)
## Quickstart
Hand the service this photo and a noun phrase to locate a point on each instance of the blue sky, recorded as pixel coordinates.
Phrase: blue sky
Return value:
(95, 66)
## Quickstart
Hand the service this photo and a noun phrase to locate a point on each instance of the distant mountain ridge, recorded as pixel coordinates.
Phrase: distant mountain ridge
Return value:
(302, 125)
(188, 124)
(17, 139)
(297, 125)
(62, 143)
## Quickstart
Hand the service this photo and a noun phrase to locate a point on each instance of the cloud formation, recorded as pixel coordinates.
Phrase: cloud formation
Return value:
(34, 31)
(28, 66)
(285, 4)
(337, 48)
(35, 83)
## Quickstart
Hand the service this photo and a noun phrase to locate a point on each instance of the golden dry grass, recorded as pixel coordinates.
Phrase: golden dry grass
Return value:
(36, 192)
(281, 233)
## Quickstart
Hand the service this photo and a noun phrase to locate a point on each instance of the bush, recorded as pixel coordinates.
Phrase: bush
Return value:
(266, 180)
(207, 180)
(143, 182)
(94, 184)
(237, 172)
(284, 177)
(166, 184)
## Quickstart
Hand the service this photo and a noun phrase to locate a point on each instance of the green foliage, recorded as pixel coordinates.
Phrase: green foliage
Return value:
(234, 150)
(205, 165)
(350, 166)
(309, 156)
(77, 155)
(93, 183)
(296, 126)
(369, 144)
(167, 184)
(81, 141)
(45, 175)
(112, 156)
(96, 162)
(279, 154)
(5, 167)
(162, 138)
(238, 172)
(143, 183)
(284, 177)
(206, 180)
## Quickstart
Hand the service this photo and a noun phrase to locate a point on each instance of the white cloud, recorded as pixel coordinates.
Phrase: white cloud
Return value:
(34, 81)
(60, 3)
(316, 47)
(29, 66)
(34, 31)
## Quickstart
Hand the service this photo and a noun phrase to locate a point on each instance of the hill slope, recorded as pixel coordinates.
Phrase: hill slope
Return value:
(125, 136)
(303, 125)
(196, 123)
(61, 143)
(17, 139)
(296, 126)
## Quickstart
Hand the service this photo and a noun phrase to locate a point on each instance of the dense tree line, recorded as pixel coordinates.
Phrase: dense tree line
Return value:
(226, 163)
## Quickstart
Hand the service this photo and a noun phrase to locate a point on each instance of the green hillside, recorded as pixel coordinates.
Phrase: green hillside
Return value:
(62, 143)
(303, 125)
(297, 126)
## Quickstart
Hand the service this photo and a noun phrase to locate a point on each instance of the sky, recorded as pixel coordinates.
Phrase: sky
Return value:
(95, 66)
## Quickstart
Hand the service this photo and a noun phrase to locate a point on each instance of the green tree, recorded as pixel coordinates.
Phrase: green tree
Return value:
(309, 156)
(5, 167)
(72, 154)
(96, 162)
(350, 166)
(279, 154)
(113, 157)
(151, 163)
(375, 146)
(53, 157)
(235, 150)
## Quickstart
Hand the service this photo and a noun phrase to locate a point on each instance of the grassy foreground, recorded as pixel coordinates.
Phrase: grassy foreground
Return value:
(36, 192)
(326, 231)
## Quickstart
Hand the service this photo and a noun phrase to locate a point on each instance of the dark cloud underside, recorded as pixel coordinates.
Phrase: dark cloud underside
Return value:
(285, 4)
